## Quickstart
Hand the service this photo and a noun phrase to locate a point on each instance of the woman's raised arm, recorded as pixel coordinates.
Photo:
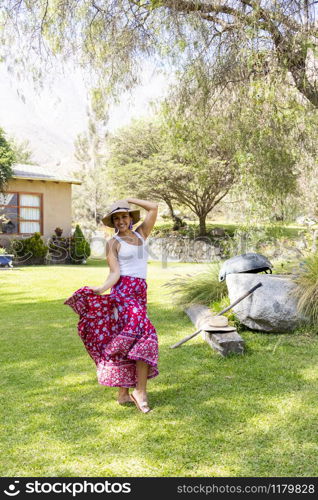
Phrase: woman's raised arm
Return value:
(150, 219)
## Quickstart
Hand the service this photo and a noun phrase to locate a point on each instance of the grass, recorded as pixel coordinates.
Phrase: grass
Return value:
(250, 415)
(202, 288)
(307, 289)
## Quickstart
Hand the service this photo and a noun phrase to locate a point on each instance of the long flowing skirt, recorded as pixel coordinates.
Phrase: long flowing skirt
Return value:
(116, 331)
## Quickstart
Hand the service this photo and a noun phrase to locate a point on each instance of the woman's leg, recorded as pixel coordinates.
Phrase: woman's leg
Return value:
(123, 395)
(140, 392)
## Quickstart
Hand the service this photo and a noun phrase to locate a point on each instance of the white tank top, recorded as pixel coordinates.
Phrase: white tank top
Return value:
(132, 258)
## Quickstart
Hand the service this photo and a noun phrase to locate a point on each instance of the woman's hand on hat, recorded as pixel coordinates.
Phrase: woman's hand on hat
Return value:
(132, 200)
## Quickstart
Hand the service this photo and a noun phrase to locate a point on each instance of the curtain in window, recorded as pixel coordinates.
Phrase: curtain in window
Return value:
(30, 214)
(29, 227)
(29, 200)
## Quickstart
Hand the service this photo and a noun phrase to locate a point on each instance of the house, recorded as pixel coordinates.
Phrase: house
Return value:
(36, 200)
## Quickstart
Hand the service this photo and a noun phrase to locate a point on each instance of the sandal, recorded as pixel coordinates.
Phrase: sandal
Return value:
(143, 407)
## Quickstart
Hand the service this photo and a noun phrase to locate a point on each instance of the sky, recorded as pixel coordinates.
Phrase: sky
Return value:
(52, 118)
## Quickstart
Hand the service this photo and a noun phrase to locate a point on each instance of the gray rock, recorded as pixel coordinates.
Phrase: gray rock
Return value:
(271, 308)
(218, 232)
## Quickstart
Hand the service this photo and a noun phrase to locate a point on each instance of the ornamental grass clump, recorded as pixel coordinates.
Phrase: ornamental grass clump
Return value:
(200, 288)
(306, 291)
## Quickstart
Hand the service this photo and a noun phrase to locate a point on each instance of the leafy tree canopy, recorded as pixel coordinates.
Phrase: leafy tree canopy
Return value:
(7, 158)
(112, 38)
(249, 138)
(176, 160)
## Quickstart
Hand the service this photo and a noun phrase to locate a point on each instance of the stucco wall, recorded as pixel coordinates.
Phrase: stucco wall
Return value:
(57, 203)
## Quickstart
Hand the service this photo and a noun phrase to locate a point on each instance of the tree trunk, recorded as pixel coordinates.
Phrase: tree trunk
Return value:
(177, 221)
(202, 225)
(293, 55)
(223, 342)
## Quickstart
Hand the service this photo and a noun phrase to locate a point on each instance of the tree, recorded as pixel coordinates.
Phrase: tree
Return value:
(80, 249)
(184, 161)
(91, 197)
(306, 202)
(112, 37)
(141, 141)
(21, 150)
(249, 139)
(272, 130)
(203, 154)
(268, 129)
(7, 158)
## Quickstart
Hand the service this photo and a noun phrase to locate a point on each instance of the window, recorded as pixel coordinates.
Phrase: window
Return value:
(21, 213)
(9, 212)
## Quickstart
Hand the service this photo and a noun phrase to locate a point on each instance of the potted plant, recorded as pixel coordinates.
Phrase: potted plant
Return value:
(5, 258)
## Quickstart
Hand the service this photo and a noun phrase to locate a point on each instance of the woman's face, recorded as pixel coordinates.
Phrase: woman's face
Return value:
(121, 221)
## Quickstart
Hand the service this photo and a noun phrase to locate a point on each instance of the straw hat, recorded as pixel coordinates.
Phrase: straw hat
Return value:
(219, 321)
(216, 324)
(120, 206)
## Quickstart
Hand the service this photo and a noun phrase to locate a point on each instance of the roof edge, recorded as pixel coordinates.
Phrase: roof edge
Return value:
(68, 181)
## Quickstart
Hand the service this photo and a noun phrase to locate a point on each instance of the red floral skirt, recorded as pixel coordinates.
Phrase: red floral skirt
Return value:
(116, 331)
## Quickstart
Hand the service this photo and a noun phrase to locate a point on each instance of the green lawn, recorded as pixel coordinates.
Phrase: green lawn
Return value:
(250, 415)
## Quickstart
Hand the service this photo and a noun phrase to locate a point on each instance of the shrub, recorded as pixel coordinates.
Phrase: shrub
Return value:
(202, 288)
(306, 291)
(80, 249)
(31, 250)
(69, 250)
(59, 249)
(163, 229)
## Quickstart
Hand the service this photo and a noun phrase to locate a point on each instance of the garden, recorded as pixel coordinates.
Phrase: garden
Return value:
(224, 151)
(244, 415)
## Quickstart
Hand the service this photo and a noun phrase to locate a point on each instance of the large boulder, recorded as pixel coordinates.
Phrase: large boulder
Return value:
(271, 308)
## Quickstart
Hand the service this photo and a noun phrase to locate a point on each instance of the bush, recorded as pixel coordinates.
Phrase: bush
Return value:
(306, 291)
(59, 249)
(201, 288)
(69, 250)
(164, 229)
(80, 248)
(31, 250)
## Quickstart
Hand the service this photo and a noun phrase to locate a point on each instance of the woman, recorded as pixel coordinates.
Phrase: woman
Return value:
(127, 355)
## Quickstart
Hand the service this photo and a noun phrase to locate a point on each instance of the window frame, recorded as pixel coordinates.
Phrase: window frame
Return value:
(18, 206)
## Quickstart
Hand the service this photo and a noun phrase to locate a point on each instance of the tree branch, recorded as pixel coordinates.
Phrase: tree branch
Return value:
(200, 7)
(44, 15)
